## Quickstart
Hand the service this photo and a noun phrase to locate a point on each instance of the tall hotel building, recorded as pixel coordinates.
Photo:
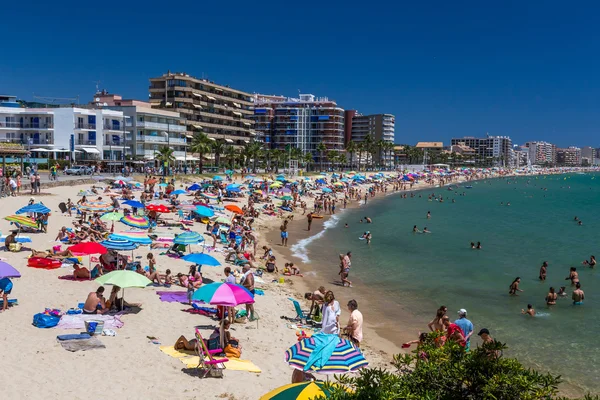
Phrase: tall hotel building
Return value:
(377, 126)
(302, 122)
(221, 112)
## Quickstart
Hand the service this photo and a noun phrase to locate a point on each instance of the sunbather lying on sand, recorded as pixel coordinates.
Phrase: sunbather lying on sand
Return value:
(49, 254)
(183, 344)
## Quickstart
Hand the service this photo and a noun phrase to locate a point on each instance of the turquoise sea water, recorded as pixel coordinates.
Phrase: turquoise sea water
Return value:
(419, 272)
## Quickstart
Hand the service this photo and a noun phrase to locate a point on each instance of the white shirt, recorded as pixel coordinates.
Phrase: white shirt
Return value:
(330, 314)
(12, 183)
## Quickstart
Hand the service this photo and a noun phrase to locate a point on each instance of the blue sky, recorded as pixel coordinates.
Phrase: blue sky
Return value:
(525, 69)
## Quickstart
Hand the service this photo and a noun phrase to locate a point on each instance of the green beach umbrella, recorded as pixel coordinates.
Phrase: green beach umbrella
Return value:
(299, 391)
(286, 198)
(112, 216)
(223, 220)
(124, 279)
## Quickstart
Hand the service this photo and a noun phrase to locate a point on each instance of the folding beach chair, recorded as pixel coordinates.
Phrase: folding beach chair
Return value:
(223, 238)
(302, 315)
(211, 366)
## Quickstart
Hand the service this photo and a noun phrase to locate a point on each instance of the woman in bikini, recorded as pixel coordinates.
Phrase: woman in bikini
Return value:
(195, 277)
(514, 287)
(573, 276)
(551, 297)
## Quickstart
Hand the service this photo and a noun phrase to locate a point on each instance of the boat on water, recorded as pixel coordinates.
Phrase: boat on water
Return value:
(469, 187)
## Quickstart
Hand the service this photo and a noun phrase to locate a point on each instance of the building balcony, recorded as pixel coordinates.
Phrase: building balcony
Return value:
(19, 125)
(85, 142)
(160, 139)
(116, 128)
(25, 141)
(85, 126)
(161, 126)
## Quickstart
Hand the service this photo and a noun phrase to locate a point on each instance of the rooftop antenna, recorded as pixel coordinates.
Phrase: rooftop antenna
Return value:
(97, 86)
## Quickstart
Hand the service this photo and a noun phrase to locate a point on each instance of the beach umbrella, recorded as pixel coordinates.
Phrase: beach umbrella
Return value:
(178, 192)
(160, 208)
(19, 239)
(162, 185)
(286, 198)
(124, 279)
(187, 207)
(135, 237)
(250, 177)
(345, 357)
(201, 259)
(87, 248)
(8, 271)
(234, 209)
(326, 190)
(275, 185)
(258, 180)
(338, 184)
(133, 203)
(119, 244)
(234, 190)
(38, 208)
(323, 173)
(217, 178)
(223, 294)
(223, 220)
(122, 178)
(136, 222)
(280, 179)
(194, 187)
(188, 238)
(299, 391)
(321, 181)
(21, 220)
(82, 193)
(112, 216)
(96, 206)
(204, 211)
(210, 196)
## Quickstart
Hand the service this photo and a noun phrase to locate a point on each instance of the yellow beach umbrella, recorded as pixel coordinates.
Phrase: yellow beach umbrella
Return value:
(258, 191)
(299, 391)
(275, 185)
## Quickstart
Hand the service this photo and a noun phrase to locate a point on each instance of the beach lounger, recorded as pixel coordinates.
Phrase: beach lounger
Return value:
(223, 238)
(302, 315)
(210, 366)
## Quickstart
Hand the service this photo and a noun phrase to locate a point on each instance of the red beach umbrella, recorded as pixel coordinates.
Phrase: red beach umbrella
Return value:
(160, 208)
(87, 248)
(234, 209)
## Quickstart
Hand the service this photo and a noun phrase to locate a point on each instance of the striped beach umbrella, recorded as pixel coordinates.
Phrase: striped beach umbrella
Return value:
(21, 220)
(188, 238)
(38, 208)
(345, 357)
(119, 244)
(300, 391)
(136, 222)
(210, 196)
(135, 237)
(96, 206)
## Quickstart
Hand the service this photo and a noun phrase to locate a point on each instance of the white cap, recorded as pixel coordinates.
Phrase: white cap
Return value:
(462, 311)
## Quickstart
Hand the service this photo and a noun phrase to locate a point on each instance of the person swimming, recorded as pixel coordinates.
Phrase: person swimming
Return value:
(573, 276)
(425, 230)
(416, 230)
(472, 245)
(578, 295)
(551, 297)
(562, 292)
(478, 247)
(428, 214)
(591, 263)
(530, 310)
(514, 286)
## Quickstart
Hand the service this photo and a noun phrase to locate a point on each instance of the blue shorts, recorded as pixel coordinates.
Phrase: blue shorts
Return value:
(6, 285)
(284, 235)
(578, 303)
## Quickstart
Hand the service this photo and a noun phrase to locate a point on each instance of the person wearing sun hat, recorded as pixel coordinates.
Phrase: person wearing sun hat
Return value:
(465, 325)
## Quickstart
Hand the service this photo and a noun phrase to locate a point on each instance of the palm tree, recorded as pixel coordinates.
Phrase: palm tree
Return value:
(254, 151)
(360, 147)
(380, 146)
(308, 159)
(200, 145)
(332, 156)
(351, 148)
(342, 160)
(277, 155)
(218, 147)
(321, 148)
(230, 154)
(368, 148)
(165, 156)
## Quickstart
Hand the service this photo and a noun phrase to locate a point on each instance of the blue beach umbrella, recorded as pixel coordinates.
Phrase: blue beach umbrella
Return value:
(323, 173)
(133, 203)
(119, 244)
(202, 259)
(162, 185)
(235, 190)
(321, 181)
(188, 238)
(250, 177)
(217, 178)
(232, 186)
(34, 208)
(326, 190)
(204, 211)
(135, 237)
(194, 187)
(178, 192)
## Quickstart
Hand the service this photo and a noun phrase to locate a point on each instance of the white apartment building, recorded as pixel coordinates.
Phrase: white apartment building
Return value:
(541, 153)
(88, 135)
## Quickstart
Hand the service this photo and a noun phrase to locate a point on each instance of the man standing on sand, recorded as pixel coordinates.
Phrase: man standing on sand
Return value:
(284, 233)
(466, 326)
(309, 217)
(578, 295)
(248, 282)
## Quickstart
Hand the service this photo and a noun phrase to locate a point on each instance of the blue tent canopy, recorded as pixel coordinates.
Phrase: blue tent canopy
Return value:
(34, 208)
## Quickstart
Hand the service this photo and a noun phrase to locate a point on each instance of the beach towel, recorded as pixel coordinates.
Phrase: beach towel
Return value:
(82, 344)
(324, 346)
(74, 336)
(77, 321)
(11, 302)
(72, 278)
(191, 360)
(172, 297)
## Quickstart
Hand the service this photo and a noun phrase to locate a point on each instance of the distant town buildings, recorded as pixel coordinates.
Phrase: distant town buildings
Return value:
(495, 150)
(541, 153)
(303, 123)
(379, 127)
(570, 156)
(588, 155)
(221, 112)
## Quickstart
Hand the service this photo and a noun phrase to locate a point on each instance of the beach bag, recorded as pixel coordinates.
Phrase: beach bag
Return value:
(42, 320)
(232, 352)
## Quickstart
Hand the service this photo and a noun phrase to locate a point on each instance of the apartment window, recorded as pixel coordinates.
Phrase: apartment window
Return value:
(140, 118)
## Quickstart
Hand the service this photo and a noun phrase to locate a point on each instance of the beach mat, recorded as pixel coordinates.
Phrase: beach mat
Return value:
(11, 302)
(173, 297)
(77, 321)
(74, 336)
(72, 278)
(191, 360)
(82, 344)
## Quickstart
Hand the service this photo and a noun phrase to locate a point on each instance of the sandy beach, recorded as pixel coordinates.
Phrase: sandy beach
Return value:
(131, 366)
